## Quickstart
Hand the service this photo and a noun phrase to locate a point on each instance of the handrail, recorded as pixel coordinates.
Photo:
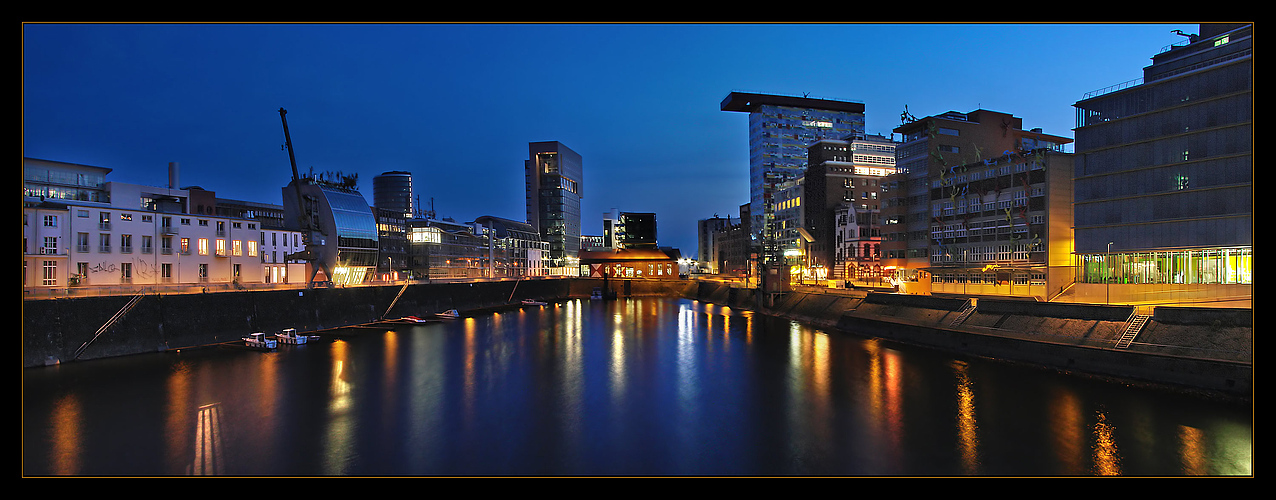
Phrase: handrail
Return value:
(110, 322)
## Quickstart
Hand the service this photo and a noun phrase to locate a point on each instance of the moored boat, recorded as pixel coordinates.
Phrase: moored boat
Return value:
(413, 319)
(533, 302)
(448, 314)
(260, 341)
(290, 336)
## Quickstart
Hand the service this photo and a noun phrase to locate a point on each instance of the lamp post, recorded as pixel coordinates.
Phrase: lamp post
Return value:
(1107, 270)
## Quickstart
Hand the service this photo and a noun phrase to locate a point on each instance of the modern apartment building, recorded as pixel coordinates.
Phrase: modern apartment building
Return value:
(1164, 176)
(554, 188)
(927, 159)
(780, 130)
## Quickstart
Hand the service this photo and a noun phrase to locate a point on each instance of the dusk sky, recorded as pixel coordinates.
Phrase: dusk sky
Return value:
(457, 104)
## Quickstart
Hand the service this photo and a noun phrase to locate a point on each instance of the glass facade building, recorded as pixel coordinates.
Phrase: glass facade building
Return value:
(1164, 170)
(781, 128)
(555, 178)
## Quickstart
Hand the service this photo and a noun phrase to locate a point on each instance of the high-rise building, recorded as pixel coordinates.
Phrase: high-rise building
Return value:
(393, 191)
(780, 130)
(555, 178)
(1164, 175)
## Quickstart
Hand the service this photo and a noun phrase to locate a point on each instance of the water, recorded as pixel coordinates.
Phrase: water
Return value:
(632, 387)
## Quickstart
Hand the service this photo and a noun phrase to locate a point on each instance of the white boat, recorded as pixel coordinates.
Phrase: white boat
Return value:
(290, 336)
(413, 319)
(259, 340)
(448, 314)
(533, 302)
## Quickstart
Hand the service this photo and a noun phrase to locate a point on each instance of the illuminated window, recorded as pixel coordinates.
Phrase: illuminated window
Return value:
(237, 248)
(221, 246)
(203, 246)
(252, 248)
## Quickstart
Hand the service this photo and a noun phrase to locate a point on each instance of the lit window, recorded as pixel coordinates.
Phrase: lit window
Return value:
(203, 246)
(252, 248)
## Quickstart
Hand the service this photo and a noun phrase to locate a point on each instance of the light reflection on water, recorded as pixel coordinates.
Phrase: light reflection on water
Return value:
(640, 386)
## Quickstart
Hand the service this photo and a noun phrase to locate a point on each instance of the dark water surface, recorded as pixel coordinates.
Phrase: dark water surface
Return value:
(631, 387)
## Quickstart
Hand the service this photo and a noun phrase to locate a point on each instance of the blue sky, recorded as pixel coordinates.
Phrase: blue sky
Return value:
(457, 104)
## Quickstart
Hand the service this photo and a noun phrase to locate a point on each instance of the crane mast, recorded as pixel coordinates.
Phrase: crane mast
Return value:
(305, 220)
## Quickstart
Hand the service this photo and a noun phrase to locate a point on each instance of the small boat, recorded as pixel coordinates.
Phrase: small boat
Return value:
(290, 336)
(413, 319)
(260, 341)
(448, 314)
(533, 302)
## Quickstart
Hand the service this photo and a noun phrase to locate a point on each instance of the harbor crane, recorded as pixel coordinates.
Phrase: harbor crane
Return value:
(306, 218)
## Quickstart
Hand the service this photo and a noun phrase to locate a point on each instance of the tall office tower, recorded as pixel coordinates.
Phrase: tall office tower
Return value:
(393, 191)
(555, 178)
(931, 148)
(780, 129)
(1164, 172)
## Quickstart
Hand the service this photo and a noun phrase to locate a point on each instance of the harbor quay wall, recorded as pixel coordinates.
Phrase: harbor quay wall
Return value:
(1201, 349)
(55, 329)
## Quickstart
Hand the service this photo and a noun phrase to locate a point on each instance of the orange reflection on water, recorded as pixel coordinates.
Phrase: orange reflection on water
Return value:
(967, 430)
(1068, 426)
(65, 454)
(1107, 460)
(208, 442)
(178, 422)
(337, 440)
(1193, 452)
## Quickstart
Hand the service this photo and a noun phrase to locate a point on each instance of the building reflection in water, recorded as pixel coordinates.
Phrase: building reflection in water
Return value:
(1069, 433)
(208, 442)
(967, 429)
(65, 452)
(1107, 461)
(338, 439)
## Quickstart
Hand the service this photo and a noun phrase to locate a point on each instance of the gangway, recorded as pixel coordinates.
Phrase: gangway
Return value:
(110, 322)
(966, 311)
(396, 298)
(1132, 328)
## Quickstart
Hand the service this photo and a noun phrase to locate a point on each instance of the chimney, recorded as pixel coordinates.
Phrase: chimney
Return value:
(172, 175)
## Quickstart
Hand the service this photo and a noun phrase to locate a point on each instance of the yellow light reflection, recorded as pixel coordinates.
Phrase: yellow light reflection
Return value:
(208, 442)
(1192, 451)
(178, 421)
(967, 429)
(1107, 460)
(1068, 425)
(65, 454)
(337, 439)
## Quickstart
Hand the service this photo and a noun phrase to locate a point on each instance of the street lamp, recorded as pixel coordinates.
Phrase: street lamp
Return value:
(1107, 271)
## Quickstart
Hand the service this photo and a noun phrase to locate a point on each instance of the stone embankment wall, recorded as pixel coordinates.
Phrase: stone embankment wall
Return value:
(1208, 349)
(1202, 348)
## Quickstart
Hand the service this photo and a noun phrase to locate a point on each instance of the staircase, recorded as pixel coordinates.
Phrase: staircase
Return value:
(110, 322)
(1132, 328)
(966, 311)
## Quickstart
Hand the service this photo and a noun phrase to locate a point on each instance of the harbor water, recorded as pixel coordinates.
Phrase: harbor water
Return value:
(632, 387)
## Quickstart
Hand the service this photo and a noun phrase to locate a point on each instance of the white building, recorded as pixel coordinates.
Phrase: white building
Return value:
(79, 230)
